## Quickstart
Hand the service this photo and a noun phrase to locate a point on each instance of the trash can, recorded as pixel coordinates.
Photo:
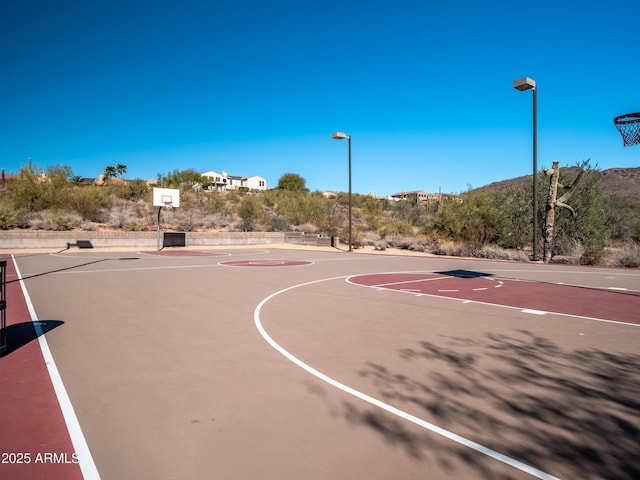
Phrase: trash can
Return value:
(174, 239)
(335, 241)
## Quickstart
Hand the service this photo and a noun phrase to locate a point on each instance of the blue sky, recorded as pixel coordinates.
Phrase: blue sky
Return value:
(257, 87)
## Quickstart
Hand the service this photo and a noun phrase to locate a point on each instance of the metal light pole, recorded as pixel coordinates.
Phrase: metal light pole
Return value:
(523, 84)
(342, 136)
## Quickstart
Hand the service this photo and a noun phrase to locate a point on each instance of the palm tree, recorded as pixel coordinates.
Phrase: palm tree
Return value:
(120, 168)
(109, 172)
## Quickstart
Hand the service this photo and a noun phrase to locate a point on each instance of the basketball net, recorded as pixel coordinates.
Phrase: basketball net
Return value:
(629, 127)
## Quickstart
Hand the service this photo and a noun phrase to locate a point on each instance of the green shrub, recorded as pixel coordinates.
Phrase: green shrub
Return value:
(60, 222)
(131, 227)
(31, 193)
(299, 207)
(89, 202)
(7, 217)
(396, 228)
(131, 190)
(249, 212)
(215, 202)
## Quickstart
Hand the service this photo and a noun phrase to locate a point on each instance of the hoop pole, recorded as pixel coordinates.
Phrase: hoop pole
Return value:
(535, 171)
(350, 223)
(159, 210)
(3, 307)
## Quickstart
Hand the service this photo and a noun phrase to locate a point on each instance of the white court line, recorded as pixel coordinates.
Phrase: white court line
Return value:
(146, 254)
(385, 406)
(619, 272)
(85, 460)
(265, 263)
(418, 280)
(129, 269)
(579, 272)
(158, 254)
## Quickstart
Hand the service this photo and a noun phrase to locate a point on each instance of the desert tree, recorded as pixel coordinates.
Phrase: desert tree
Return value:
(109, 172)
(121, 169)
(292, 182)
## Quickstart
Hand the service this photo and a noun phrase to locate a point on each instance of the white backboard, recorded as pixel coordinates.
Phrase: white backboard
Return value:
(164, 196)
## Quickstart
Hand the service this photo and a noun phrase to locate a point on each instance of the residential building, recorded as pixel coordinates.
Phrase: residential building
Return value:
(418, 196)
(224, 181)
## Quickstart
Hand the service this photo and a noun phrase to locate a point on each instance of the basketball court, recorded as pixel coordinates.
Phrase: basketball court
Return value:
(273, 363)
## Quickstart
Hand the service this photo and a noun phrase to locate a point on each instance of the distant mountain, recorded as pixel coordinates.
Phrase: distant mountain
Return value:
(620, 182)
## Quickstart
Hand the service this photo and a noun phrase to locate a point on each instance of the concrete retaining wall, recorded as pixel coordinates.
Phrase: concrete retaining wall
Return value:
(20, 239)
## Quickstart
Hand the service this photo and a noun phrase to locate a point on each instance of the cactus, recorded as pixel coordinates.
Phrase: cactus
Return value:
(553, 201)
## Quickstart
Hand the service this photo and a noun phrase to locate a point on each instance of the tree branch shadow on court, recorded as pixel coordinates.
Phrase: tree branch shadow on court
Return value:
(571, 413)
(20, 334)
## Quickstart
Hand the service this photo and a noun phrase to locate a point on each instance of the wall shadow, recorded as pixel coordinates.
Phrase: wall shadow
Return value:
(19, 334)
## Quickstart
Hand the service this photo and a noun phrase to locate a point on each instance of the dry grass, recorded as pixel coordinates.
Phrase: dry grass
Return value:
(626, 255)
(437, 246)
(497, 253)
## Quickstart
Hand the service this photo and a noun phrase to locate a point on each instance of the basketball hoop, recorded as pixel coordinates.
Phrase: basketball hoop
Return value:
(629, 127)
(169, 198)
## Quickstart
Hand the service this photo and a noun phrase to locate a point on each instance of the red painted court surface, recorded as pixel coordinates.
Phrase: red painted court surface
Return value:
(174, 366)
(542, 297)
(34, 439)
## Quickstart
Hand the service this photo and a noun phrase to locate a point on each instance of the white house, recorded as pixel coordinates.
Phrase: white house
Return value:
(419, 196)
(224, 181)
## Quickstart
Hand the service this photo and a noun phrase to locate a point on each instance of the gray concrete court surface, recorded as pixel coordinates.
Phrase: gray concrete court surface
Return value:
(182, 366)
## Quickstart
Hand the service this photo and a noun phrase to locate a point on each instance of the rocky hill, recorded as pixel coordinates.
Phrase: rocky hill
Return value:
(622, 182)
(618, 182)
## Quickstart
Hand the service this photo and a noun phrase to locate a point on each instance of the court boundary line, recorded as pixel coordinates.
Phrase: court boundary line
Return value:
(227, 253)
(85, 459)
(505, 459)
(280, 263)
(181, 253)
